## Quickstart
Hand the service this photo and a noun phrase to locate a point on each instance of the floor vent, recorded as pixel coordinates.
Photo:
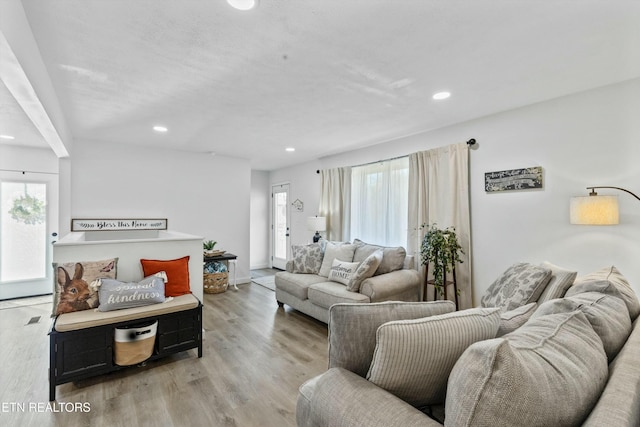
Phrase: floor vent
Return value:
(33, 320)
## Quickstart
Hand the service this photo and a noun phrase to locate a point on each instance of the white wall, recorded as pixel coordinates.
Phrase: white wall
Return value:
(14, 157)
(260, 225)
(304, 184)
(589, 138)
(198, 193)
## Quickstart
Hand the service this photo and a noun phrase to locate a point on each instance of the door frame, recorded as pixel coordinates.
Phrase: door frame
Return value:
(277, 262)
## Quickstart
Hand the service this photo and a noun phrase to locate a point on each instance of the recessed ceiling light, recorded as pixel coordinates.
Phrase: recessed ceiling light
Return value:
(243, 4)
(160, 129)
(441, 95)
(290, 149)
(7, 137)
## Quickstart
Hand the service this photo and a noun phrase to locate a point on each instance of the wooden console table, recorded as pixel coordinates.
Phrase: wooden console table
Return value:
(230, 259)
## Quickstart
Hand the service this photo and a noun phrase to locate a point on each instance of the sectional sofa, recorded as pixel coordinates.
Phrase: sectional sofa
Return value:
(326, 273)
(565, 360)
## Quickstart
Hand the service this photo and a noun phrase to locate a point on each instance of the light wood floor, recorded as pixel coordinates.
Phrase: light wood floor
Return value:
(255, 358)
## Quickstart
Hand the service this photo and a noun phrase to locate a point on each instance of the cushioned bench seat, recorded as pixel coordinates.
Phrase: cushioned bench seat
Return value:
(81, 344)
(89, 318)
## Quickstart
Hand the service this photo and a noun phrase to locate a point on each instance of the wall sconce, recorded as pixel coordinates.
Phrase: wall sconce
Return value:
(317, 224)
(594, 209)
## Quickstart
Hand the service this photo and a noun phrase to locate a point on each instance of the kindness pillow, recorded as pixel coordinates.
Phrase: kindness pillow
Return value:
(116, 295)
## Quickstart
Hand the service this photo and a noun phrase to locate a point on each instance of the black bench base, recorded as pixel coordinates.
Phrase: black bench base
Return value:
(80, 354)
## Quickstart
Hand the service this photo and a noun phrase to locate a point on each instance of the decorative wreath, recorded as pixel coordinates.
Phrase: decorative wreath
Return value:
(29, 210)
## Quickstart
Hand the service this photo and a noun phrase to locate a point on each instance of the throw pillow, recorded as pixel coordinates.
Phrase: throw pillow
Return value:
(116, 295)
(549, 372)
(71, 287)
(342, 272)
(413, 358)
(609, 281)
(560, 281)
(352, 328)
(177, 274)
(513, 319)
(341, 251)
(392, 257)
(365, 270)
(306, 259)
(608, 316)
(520, 284)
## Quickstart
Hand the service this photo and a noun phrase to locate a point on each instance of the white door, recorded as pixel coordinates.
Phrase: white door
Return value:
(280, 250)
(28, 226)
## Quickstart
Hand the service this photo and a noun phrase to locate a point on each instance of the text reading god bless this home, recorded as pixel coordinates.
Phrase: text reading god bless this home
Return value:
(45, 407)
(117, 224)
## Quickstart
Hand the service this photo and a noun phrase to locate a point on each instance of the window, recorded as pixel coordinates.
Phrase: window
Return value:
(379, 202)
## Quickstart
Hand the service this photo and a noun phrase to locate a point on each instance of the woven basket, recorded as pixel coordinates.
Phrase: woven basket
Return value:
(214, 253)
(215, 283)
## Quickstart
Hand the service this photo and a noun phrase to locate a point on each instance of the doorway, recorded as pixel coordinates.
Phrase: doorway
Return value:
(280, 250)
(28, 219)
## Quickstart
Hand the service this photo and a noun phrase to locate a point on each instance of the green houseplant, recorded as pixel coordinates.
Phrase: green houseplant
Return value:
(441, 249)
(208, 245)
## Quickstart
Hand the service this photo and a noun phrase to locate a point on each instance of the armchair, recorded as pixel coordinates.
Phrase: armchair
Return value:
(374, 350)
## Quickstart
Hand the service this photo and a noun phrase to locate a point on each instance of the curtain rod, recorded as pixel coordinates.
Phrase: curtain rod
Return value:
(470, 142)
(23, 172)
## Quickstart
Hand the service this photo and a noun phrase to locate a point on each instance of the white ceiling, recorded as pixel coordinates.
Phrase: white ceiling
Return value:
(321, 76)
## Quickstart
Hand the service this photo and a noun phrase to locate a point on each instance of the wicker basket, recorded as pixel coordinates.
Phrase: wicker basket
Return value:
(214, 253)
(215, 283)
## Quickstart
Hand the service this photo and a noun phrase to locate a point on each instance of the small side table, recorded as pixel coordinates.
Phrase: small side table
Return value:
(230, 259)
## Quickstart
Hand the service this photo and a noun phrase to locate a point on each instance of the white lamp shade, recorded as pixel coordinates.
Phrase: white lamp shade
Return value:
(594, 210)
(317, 223)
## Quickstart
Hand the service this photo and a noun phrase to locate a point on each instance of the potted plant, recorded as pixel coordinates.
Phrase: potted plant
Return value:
(208, 246)
(441, 249)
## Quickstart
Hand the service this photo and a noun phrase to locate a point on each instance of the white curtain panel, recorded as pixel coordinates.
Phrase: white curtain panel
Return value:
(439, 193)
(379, 195)
(335, 202)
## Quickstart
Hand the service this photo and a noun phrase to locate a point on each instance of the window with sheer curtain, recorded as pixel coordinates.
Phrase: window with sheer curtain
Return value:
(379, 202)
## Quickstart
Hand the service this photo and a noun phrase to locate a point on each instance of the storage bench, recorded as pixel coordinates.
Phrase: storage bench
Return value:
(81, 343)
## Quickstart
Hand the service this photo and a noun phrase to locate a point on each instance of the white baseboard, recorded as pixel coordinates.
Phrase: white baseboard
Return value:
(259, 266)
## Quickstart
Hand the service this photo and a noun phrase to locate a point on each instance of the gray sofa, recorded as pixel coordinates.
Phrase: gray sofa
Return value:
(566, 361)
(308, 285)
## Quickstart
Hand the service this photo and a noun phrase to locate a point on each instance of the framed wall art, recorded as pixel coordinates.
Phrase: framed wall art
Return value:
(513, 180)
(118, 224)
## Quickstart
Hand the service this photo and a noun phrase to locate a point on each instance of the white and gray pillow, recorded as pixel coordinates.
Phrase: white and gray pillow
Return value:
(520, 284)
(366, 269)
(413, 358)
(306, 259)
(340, 251)
(553, 368)
(116, 295)
(561, 280)
(342, 271)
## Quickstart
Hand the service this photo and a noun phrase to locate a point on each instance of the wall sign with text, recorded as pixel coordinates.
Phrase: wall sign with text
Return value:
(514, 179)
(118, 224)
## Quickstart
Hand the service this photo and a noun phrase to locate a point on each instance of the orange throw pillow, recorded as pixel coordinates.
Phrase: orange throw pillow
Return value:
(177, 274)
